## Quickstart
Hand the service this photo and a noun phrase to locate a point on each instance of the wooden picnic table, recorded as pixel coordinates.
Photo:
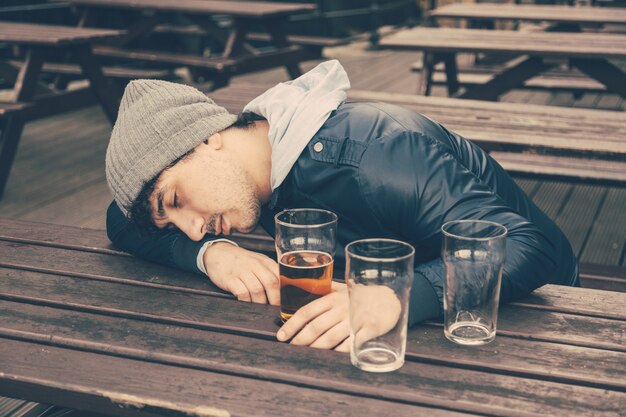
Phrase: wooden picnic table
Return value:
(85, 326)
(589, 52)
(238, 55)
(30, 100)
(527, 140)
(571, 16)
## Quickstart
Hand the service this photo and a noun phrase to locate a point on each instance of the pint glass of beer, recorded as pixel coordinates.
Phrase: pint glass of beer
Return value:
(305, 245)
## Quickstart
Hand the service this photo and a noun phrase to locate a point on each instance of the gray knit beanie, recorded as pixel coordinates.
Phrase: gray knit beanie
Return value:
(158, 122)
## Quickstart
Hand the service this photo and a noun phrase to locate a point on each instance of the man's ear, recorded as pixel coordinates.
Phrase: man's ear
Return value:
(215, 141)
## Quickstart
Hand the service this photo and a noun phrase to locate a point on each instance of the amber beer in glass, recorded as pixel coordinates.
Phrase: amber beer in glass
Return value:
(305, 246)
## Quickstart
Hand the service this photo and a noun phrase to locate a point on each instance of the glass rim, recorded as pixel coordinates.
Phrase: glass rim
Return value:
(504, 231)
(282, 223)
(379, 259)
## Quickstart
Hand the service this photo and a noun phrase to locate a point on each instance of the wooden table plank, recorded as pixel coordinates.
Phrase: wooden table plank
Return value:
(91, 382)
(559, 351)
(565, 168)
(425, 344)
(533, 13)
(249, 9)
(583, 301)
(578, 131)
(42, 235)
(552, 44)
(102, 267)
(52, 35)
(297, 366)
(123, 297)
(92, 240)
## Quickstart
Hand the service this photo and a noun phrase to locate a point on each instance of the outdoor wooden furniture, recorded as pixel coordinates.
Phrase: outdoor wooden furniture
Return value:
(561, 16)
(39, 42)
(553, 80)
(85, 326)
(314, 44)
(238, 56)
(589, 52)
(527, 140)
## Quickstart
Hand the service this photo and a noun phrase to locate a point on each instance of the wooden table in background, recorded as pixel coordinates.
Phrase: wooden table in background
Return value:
(85, 326)
(39, 42)
(564, 16)
(238, 56)
(527, 140)
(588, 52)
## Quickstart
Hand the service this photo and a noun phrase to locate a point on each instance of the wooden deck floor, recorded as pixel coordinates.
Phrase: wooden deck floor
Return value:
(58, 176)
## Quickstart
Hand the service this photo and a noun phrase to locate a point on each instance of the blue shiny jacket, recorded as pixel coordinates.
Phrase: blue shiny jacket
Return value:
(390, 172)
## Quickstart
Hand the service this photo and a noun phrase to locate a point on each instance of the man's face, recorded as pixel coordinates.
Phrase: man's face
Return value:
(207, 192)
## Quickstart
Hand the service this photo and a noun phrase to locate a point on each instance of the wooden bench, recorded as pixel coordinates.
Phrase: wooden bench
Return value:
(224, 66)
(577, 145)
(117, 72)
(67, 72)
(238, 56)
(554, 80)
(38, 42)
(588, 52)
(314, 44)
(603, 277)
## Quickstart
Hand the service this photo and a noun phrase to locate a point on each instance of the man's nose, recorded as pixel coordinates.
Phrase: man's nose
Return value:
(193, 227)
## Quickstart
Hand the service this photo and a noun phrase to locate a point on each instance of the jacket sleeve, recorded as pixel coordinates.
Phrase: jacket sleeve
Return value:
(168, 247)
(435, 186)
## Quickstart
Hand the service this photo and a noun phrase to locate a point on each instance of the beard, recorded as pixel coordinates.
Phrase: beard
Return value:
(250, 216)
(249, 204)
(239, 195)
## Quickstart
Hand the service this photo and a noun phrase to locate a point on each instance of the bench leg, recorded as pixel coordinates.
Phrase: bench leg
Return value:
(276, 30)
(97, 83)
(425, 80)
(219, 81)
(10, 131)
(293, 70)
(507, 80)
(10, 72)
(608, 74)
(452, 80)
(28, 77)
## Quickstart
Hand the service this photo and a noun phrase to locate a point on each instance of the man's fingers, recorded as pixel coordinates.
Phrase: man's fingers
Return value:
(271, 264)
(239, 290)
(344, 346)
(270, 284)
(302, 317)
(365, 334)
(255, 288)
(317, 328)
(333, 337)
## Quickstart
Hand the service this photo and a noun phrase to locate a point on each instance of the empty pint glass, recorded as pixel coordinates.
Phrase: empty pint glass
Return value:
(473, 254)
(379, 274)
(305, 246)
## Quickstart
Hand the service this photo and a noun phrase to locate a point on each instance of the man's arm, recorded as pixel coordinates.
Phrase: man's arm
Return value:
(412, 200)
(167, 247)
(440, 183)
(248, 275)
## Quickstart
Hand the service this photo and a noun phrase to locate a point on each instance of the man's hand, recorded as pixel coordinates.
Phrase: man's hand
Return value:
(323, 323)
(375, 311)
(250, 276)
